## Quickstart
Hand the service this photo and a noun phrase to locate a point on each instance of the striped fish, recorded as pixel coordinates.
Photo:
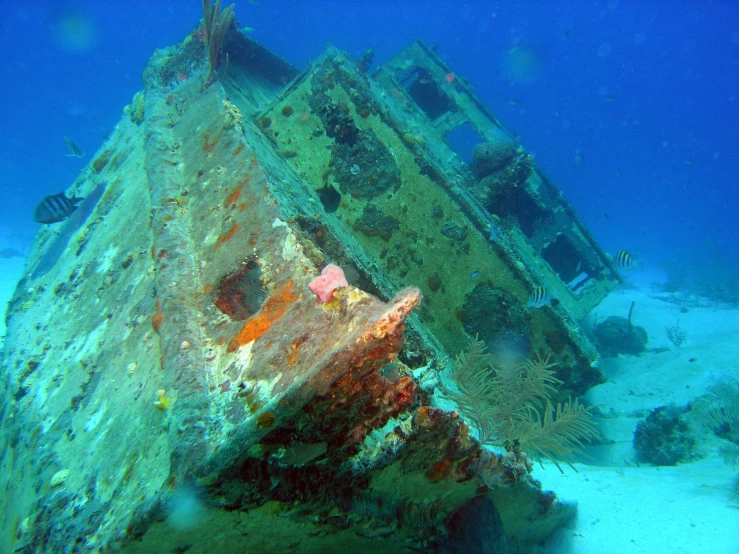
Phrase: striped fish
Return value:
(539, 298)
(624, 260)
(74, 149)
(55, 208)
(579, 158)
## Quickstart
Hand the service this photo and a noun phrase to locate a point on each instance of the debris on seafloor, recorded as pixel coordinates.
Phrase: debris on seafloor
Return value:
(176, 334)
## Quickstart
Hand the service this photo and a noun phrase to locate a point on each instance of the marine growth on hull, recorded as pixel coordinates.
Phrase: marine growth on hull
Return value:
(292, 295)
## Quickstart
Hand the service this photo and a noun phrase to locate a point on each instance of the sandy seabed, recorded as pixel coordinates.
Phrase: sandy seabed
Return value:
(628, 507)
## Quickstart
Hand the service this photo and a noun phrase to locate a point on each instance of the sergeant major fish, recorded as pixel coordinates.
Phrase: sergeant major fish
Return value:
(74, 149)
(55, 208)
(539, 298)
(624, 260)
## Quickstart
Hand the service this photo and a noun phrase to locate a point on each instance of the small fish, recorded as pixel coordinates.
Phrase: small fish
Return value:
(248, 29)
(579, 158)
(619, 174)
(514, 101)
(539, 298)
(55, 208)
(610, 98)
(425, 81)
(624, 260)
(690, 161)
(74, 149)
(475, 274)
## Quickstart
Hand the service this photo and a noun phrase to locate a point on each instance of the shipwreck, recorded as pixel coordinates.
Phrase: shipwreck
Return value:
(165, 347)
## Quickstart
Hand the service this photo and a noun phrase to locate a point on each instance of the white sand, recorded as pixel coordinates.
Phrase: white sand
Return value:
(628, 509)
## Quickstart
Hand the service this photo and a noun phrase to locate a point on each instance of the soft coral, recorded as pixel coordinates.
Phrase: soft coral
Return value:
(331, 278)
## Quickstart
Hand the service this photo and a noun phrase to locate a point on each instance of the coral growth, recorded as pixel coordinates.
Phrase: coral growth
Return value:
(719, 411)
(136, 113)
(616, 335)
(665, 438)
(216, 24)
(513, 406)
(498, 318)
(489, 157)
(331, 278)
(163, 401)
(374, 223)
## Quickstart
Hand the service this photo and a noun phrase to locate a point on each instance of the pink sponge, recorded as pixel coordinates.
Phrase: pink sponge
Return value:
(331, 278)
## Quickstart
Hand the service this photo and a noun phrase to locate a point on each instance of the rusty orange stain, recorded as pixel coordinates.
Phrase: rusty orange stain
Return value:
(208, 146)
(158, 318)
(294, 348)
(228, 236)
(440, 470)
(239, 150)
(274, 308)
(233, 197)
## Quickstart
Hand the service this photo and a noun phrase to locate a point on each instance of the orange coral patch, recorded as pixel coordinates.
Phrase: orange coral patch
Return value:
(274, 308)
(228, 236)
(233, 197)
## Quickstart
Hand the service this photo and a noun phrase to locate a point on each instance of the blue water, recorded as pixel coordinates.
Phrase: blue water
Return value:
(646, 91)
(649, 94)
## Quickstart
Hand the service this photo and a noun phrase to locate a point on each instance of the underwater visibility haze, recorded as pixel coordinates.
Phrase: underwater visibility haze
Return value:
(218, 219)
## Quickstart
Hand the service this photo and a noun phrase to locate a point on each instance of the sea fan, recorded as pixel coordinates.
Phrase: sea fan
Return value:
(730, 454)
(560, 433)
(719, 410)
(471, 374)
(515, 404)
(720, 406)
